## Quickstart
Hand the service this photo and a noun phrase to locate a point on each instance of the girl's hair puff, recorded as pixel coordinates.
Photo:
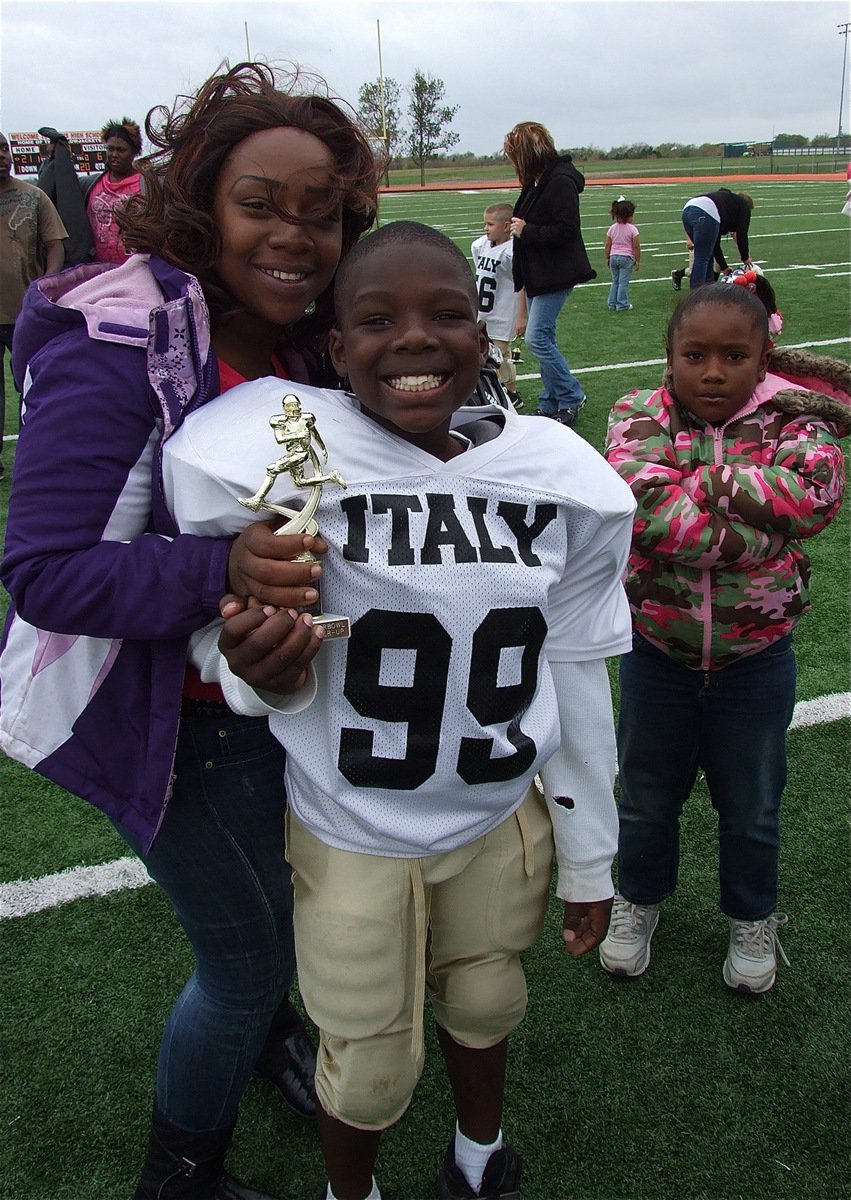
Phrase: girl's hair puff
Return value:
(719, 293)
(127, 130)
(194, 138)
(763, 291)
(531, 148)
(623, 210)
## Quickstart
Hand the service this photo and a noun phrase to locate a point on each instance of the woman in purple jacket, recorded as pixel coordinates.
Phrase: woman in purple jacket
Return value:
(254, 196)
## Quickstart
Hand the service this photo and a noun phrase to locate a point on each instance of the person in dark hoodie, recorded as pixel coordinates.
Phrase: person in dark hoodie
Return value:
(706, 219)
(58, 179)
(549, 257)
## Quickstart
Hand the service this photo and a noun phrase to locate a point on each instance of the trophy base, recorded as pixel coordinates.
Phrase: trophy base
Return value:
(334, 627)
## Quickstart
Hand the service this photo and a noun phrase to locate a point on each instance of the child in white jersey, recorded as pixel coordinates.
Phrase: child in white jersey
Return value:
(478, 556)
(623, 253)
(501, 308)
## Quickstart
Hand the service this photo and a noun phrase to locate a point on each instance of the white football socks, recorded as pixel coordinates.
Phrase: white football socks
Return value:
(472, 1157)
(374, 1194)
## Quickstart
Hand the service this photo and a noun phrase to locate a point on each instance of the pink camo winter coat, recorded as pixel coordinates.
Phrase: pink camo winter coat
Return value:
(717, 568)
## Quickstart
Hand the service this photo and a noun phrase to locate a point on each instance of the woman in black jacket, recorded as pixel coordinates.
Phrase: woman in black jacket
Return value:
(549, 257)
(706, 219)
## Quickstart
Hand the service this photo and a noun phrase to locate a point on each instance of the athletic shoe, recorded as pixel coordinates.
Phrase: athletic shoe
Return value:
(626, 948)
(624, 308)
(751, 962)
(2, 470)
(515, 398)
(290, 1065)
(677, 279)
(568, 416)
(501, 1180)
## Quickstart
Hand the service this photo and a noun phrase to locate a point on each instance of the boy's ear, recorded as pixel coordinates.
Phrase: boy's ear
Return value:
(337, 352)
(484, 342)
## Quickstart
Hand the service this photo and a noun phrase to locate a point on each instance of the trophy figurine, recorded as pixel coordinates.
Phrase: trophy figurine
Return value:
(296, 431)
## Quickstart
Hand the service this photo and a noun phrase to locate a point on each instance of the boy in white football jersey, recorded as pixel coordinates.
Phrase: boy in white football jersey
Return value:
(501, 308)
(478, 556)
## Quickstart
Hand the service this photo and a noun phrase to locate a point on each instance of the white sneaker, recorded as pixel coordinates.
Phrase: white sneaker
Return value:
(626, 947)
(751, 962)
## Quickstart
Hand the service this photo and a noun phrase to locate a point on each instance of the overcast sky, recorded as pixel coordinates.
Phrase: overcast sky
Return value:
(596, 73)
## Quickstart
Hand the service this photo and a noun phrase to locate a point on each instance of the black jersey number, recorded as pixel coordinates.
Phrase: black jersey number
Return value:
(487, 293)
(421, 703)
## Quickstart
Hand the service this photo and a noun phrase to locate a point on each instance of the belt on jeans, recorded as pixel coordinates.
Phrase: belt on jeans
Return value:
(190, 707)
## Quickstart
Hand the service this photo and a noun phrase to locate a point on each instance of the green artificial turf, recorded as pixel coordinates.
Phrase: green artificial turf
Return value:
(668, 1087)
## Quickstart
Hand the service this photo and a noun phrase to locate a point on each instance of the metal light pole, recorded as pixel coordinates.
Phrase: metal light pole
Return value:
(381, 99)
(247, 45)
(843, 32)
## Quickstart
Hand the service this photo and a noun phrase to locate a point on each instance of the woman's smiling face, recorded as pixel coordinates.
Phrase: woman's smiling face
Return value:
(274, 267)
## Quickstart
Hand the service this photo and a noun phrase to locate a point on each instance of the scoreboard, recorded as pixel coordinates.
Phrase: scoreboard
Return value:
(87, 151)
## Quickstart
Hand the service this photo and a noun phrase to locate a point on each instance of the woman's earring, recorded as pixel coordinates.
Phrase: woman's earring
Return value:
(311, 309)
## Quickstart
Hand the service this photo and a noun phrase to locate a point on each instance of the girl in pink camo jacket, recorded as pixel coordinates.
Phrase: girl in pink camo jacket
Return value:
(733, 462)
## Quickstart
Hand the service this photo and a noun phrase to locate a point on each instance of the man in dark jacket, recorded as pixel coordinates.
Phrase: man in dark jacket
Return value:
(58, 179)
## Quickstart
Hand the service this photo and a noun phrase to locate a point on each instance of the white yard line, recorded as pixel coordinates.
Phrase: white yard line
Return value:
(624, 366)
(27, 896)
(24, 897)
(658, 362)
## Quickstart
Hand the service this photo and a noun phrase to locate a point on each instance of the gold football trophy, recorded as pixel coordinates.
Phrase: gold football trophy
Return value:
(296, 431)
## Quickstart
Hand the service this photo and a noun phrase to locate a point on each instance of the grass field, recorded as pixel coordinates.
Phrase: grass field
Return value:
(665, 1088)
(631, 168)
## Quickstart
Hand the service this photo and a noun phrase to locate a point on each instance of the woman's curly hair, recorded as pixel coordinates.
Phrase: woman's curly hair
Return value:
(174, 216)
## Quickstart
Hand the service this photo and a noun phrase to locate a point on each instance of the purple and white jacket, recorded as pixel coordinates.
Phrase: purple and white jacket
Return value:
(105, 592)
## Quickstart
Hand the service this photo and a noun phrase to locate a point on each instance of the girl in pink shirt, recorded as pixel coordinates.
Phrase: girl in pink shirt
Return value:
(623, 253)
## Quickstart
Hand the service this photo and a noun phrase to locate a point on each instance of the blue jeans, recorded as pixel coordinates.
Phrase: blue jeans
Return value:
(703, 231)
(621, 266)
(219, 856)
(731, 724)
(560, 390)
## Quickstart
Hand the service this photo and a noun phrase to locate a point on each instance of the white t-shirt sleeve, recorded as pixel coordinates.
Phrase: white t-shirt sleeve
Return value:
(582, 774)
(589, 612)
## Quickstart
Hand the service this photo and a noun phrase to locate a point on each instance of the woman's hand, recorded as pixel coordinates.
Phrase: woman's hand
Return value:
(517, 226)
(261, 565)
(270, 648)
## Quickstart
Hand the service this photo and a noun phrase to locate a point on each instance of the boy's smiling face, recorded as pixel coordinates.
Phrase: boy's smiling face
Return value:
(409, 341)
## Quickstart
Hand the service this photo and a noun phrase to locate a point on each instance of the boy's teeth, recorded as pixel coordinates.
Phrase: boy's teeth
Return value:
(415, 383)
(287, 276)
